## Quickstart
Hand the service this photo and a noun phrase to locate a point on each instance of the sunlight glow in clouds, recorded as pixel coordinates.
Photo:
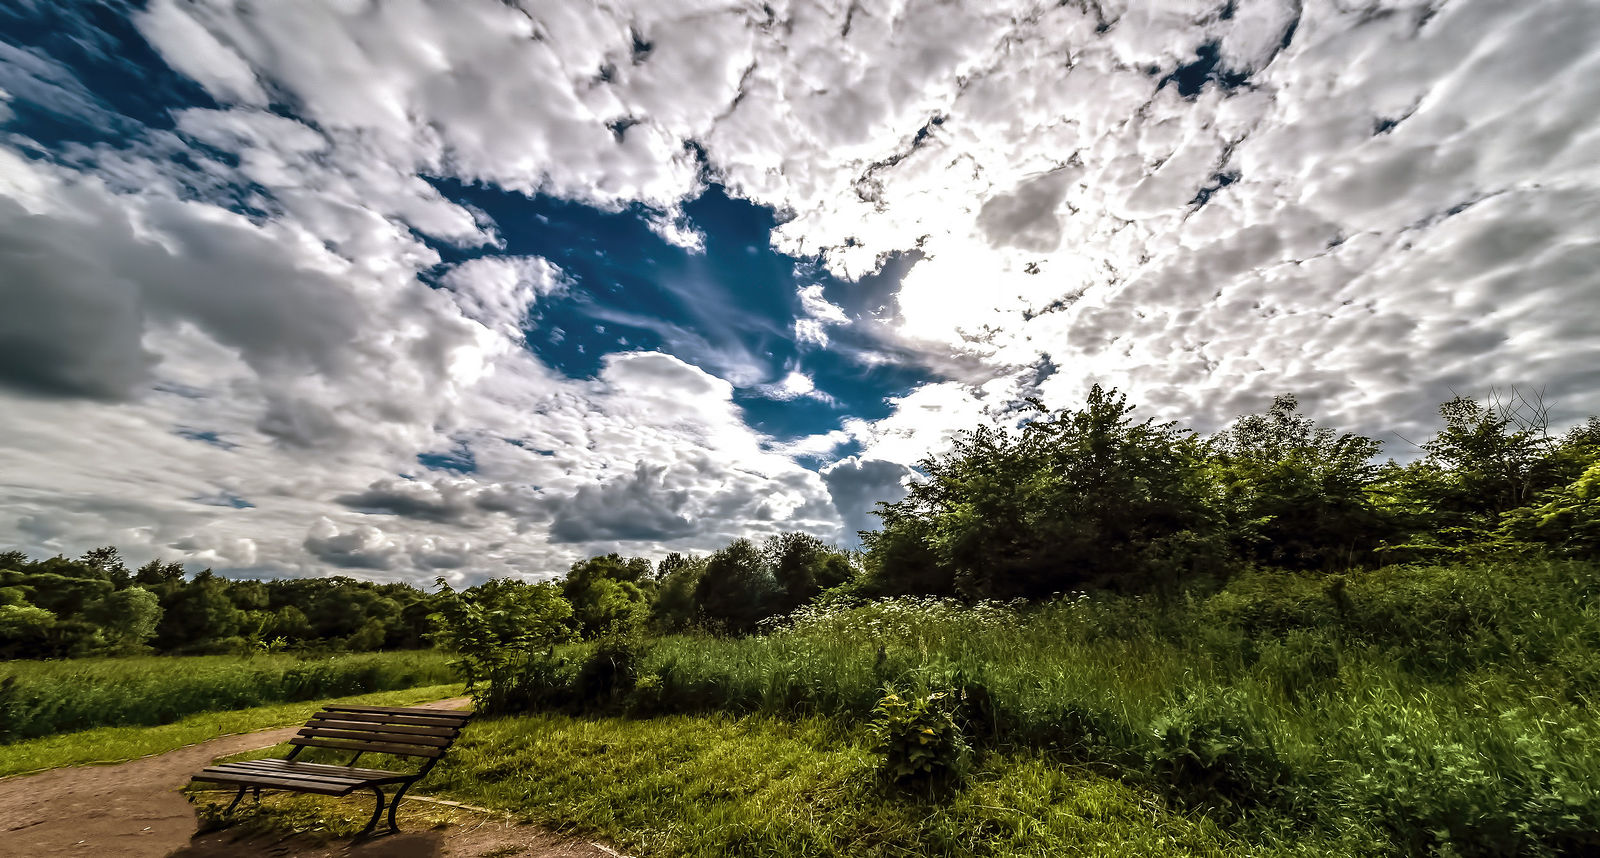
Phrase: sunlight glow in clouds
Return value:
(259, 315)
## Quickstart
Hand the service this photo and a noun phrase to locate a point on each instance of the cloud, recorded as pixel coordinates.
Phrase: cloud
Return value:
(638, 506)
(497, 291)
(1370, 205)
(794, 385)
(361, 547)
(817, 315)
(857, 485)
(445, 501)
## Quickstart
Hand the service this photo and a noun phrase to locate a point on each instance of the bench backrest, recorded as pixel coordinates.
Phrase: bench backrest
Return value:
(383, 730)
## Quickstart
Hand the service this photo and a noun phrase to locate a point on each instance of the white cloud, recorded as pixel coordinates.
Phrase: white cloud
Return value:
(190, 49)
(817, 315)
(1387, 202)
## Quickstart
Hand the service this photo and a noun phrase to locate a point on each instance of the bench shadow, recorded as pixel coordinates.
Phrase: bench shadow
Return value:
(223, 844)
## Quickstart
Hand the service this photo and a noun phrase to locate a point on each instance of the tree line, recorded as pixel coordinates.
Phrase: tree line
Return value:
(95, 605)
(1077, 499)
(1092, 498)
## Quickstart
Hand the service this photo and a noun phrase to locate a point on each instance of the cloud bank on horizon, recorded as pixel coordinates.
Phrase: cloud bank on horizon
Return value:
(469, 287)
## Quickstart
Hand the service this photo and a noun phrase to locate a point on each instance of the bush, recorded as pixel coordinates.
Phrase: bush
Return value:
(1210, 750)
(919, 738)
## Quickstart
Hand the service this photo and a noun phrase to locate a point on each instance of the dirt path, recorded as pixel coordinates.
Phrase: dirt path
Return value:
(134, 810)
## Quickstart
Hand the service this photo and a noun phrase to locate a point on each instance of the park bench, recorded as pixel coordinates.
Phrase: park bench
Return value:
(424, 733)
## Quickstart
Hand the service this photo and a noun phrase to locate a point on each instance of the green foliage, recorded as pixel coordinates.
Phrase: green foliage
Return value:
(802, 567)
(612, 669)
(1210, 749)
(919, 738)
(1298, 494)
(43, 698)
(759, 786)
(608, 594)
(127, 617)
(98, 607)
(737, 590)
(1085, 498)
(25, 631)
(1324, 703)
(677, 577)
(1565, 520)
(497, 630)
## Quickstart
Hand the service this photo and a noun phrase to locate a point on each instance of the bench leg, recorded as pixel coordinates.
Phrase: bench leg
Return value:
(377, 811)
(394, 803)
(237, 799)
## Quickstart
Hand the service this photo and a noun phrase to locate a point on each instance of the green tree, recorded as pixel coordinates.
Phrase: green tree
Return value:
(197, 616)
(803, 566)
(608, 593)
(1078, 498)
(497, 630)
(1566, 520)
(1298, 494)
(677, 576)
(127, 617)
(737, 589)
(25, 632)
(1489, 458)
(107, 560)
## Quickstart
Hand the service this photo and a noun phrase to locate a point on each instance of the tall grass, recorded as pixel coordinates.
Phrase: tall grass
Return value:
(43, 698)
(1440, 709)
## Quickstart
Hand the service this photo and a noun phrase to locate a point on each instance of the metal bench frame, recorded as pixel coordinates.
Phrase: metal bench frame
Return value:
(423, 733)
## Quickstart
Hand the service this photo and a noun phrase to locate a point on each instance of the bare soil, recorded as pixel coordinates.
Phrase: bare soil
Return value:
(135, 810)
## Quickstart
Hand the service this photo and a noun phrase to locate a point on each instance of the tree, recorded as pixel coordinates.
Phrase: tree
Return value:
(197, 615)
(608, 593)
(156, 576)
(1490, 457)
(802, 567)
(737, 590)
(1079, 498)
(1566, 519)
(677, 576)
(497, 629)
(1298, 494)
(25, 632)
(127, 617)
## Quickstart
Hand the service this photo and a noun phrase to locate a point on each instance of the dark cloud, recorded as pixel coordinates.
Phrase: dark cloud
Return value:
(858, 485)
(445, 502)
(637, 506)
(72, 326)
(1027, 217)
(362, 547)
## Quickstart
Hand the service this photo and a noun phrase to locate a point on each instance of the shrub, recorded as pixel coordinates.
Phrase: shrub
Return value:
(919, 738)
(1210, 750)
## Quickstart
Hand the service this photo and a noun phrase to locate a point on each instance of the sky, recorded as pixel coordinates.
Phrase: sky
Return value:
(404, 289)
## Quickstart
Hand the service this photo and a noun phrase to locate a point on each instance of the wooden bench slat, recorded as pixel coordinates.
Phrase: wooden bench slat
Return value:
(374, 747)
(308, 777)
(458, 714)
(243, 779)
(377, 736)
(376, 718)
(279, 765)
(334, 723)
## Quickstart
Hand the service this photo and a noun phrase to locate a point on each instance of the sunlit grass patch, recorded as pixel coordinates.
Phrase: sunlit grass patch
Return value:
(118, 744)
(38, 698)
(760, 786)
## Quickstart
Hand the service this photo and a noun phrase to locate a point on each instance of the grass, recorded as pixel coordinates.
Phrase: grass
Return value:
(1445, 710)
(119, 744)
(40, 698)
(762, 786)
